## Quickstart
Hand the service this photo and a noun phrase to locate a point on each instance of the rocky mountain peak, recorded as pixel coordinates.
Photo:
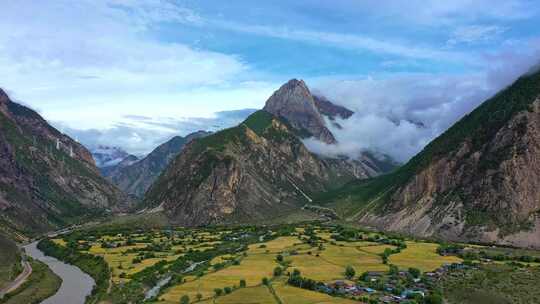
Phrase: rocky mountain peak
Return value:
(294, 103)
(4, 99)
(3, 96)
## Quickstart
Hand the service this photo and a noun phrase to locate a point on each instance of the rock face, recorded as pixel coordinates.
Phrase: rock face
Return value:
(479, 181)
(137, 177)
(257, 170)
(327, 108)
(294, 103)
(47, 180)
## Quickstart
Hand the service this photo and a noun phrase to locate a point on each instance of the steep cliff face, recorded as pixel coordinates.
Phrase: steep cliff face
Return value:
(478, 181)
(304, 113)
(136, 178)
(327, 108)
(257, 170)
(294, 103)
(47, 180)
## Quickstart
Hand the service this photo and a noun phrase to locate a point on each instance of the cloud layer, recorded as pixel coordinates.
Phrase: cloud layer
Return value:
(398, 115)
(139, 135)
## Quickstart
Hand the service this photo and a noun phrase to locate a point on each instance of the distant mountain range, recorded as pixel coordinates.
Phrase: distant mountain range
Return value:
(259, 169)
(106, 156)
(47, 180)
(135, 176)
(479, 181)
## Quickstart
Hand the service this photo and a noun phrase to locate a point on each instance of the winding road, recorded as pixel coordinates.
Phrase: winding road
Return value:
(20, 279)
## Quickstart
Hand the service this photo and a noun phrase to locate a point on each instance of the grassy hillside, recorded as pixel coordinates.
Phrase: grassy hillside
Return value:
(47, 180)
(10, 265)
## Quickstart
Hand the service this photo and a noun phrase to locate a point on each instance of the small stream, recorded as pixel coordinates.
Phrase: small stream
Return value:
(76, 284)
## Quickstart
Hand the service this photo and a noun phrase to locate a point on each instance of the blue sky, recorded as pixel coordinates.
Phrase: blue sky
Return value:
(91, 66)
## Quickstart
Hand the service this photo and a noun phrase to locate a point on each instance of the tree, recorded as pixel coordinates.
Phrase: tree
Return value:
(265, 281)
(227, 290)
(349, 272)
(364, 276)
(433, 299)
(296, 273)
(199, 296)
(278, 271)
(242, 283)
(218, 291)
(184, 299)
(415, 272)
(393, 270)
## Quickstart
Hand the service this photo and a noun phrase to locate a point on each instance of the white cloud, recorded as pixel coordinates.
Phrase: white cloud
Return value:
(447, 13)
(475, 34)
(399, 114)
(96, 54)
(347, 41)
(141, 134)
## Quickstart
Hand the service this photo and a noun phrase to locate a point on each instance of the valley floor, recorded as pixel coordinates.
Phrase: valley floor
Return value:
(304, 264)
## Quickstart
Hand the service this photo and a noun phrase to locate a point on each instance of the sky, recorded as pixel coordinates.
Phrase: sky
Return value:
(133, 73)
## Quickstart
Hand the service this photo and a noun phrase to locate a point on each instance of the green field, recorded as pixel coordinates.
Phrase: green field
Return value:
(493, 284)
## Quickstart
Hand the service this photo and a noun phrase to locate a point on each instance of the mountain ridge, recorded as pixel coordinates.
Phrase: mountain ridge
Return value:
(245, 173)
(477, 181)
(136, 178)
(47, 180)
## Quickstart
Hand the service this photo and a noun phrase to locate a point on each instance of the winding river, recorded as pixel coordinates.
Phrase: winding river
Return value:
(76, 284)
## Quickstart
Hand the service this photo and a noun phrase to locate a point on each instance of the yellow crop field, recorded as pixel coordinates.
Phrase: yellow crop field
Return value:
(98, 250)
(60, 242)
(115, 260)
(274, 246)
(292, 295)
(360, 260)
(422, 256)
(221, 259)
(315, 268)
(252, 269)
(121, 262)
(375, 249)
(249, 295)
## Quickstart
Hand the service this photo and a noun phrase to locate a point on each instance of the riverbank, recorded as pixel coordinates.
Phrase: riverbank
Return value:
(93, 272)
(19, 280)
(41, 284)
(76, 284)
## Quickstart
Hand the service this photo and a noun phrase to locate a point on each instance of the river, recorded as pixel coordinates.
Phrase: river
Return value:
(76, 284)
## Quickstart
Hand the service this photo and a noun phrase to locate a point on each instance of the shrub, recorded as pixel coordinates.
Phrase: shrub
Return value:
(349, 272)
(415, 272)
(184, 299)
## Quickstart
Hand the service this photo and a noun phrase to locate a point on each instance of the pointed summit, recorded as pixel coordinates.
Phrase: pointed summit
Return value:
(294, 102)
(4, 98)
